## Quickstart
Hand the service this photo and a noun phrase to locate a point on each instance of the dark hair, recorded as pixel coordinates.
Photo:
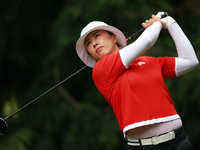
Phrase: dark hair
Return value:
(115, 35)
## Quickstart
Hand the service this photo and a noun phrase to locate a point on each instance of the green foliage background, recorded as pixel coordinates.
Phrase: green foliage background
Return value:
(37, 50)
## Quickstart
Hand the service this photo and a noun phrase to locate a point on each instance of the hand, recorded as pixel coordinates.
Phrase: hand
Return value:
(167, 21)
(149, 22)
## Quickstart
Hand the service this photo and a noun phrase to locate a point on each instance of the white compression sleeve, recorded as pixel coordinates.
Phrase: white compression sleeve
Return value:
(141, 45)
(187, 59)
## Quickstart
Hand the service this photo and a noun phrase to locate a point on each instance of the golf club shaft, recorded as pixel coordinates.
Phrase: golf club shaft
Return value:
(142, 29)
(128, 39)
(45, 93)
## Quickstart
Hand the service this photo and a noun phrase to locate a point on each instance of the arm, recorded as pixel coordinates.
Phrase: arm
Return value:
(187, 59)
(143, 43)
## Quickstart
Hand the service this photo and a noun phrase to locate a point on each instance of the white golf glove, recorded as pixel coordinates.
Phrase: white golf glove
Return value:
(167, 21)
(160, 14)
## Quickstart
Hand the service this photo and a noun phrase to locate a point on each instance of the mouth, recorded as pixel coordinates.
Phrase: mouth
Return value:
(98, 49)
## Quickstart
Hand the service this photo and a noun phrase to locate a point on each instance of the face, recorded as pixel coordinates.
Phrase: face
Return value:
(100, 43)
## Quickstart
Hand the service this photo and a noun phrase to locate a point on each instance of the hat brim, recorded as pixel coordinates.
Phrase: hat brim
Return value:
(82, 51)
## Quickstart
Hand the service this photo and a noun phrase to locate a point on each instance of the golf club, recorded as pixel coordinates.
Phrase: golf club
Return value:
(3, 123)
(142, 29)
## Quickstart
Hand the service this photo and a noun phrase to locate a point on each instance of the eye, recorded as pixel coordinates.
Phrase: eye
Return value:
(97, 35)
(88, 43)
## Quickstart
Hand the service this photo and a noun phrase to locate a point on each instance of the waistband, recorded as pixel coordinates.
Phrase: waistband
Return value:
(155, 140)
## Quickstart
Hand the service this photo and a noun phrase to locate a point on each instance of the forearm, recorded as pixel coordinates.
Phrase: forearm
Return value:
(187, 59)
(146, 40)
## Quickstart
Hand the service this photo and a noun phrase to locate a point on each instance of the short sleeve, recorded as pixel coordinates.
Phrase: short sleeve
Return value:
(168, 67)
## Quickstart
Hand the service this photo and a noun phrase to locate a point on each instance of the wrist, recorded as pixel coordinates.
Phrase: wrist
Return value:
(167, 22)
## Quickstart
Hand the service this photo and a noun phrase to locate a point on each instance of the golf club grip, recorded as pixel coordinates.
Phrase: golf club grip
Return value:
(142, 29)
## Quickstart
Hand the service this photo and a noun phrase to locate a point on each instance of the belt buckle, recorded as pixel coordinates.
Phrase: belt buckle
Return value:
(154, 140)
(172, 135)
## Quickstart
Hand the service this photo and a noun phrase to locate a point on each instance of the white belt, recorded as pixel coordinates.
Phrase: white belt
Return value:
(153, 140)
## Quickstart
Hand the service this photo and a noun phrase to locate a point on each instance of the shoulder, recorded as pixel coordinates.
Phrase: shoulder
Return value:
(109, 62)
(159, 59)
(107, 70)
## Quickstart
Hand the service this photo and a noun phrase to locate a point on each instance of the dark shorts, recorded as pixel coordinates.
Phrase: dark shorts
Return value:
(181, 142)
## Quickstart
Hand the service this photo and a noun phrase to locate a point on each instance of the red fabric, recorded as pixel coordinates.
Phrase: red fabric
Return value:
(138, 93)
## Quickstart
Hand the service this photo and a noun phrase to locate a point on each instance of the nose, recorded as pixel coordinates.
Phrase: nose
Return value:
(95, 43)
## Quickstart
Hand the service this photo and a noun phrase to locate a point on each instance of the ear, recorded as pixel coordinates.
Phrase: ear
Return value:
(115, 38)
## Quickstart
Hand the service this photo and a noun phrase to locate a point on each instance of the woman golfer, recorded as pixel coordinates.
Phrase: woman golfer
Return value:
(134, 85)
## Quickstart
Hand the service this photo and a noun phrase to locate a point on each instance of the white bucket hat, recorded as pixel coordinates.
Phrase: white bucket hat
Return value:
(92, 26)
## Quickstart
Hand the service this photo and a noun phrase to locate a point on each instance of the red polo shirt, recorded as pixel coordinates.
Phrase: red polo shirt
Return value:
(138, 95)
